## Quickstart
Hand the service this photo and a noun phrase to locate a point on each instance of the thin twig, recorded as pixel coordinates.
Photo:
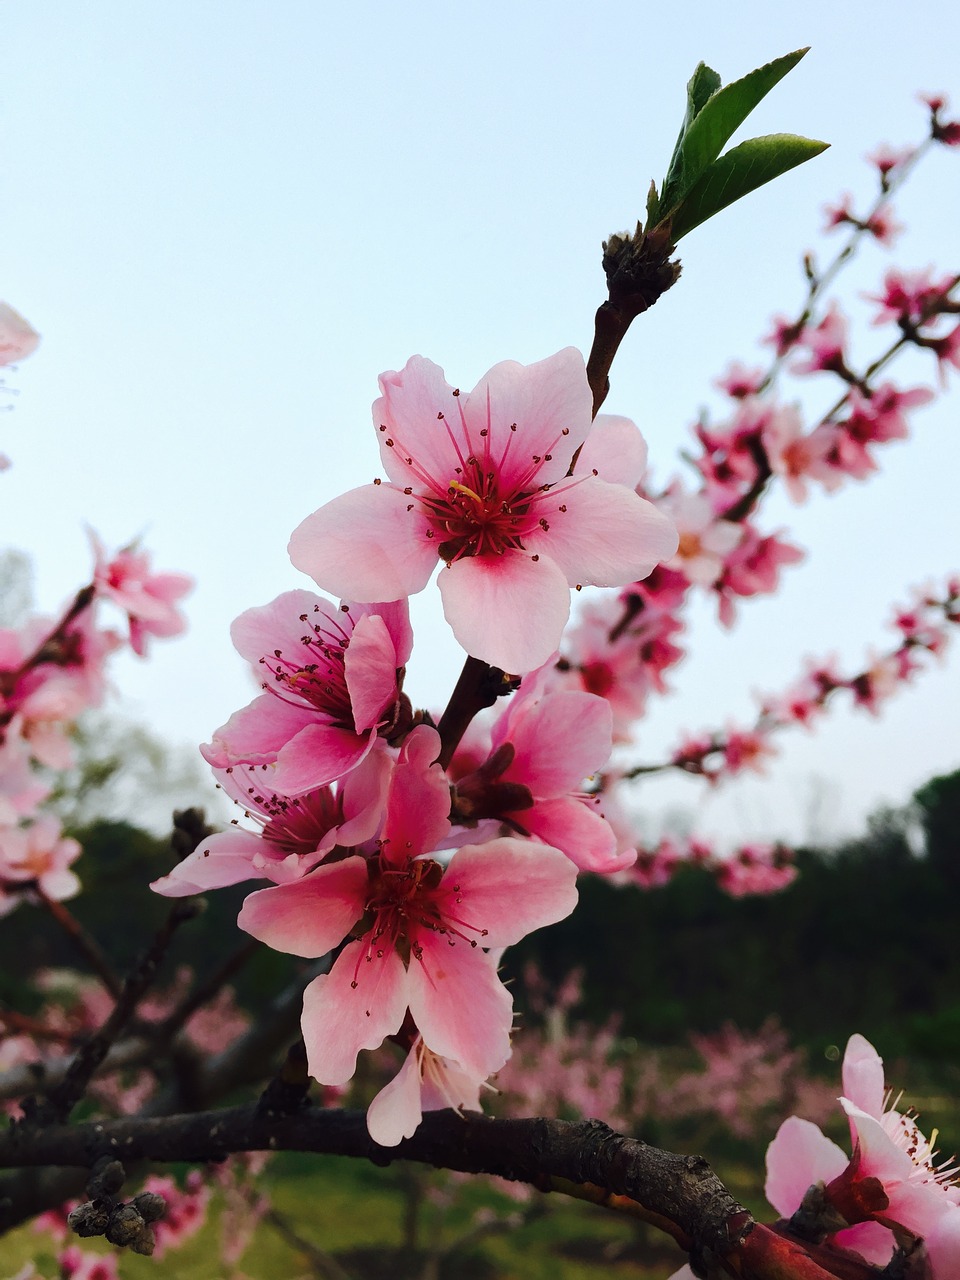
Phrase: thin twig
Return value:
(94, 954)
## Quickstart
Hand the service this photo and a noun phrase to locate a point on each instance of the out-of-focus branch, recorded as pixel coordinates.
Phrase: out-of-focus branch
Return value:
(89, 947)
(63, 1097)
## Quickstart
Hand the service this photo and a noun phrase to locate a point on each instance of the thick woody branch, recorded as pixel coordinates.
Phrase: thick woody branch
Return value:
(679, 1194)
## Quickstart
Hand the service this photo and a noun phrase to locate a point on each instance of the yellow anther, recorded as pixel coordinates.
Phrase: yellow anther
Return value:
(462, 488)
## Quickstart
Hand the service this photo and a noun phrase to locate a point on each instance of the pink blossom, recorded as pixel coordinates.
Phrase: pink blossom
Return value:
(625, 669)
(746, 749)
(794, 455)
(945, 131)
(825, 342)
(149, 599)
(947, 349)
(730, 463)
(783, 335)
(740, 382)
(331, 679)
(705, 539)
(753, 568)
(39, 853)
(543, 747)
(886, 158)
(910, 296)
(918, 1195)
(425, 1082)
(836, 215)
(480, 481)
(755, 869)
(421, 929)
(883, 226)
(295, 832)
(18, 338)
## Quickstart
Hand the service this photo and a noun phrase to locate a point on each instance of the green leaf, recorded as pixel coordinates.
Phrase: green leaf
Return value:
(740, 171)
(701, 86)
(723, 114)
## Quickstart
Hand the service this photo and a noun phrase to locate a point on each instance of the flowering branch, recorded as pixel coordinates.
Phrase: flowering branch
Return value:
(719, 754)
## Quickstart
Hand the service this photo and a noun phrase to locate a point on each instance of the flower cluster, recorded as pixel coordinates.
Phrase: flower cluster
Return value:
(51, 671)
(924, 627)
(412, 856)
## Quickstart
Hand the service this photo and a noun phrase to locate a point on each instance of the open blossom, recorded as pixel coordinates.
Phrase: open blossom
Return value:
(705, 539)
(295, 832)
(825, 342)
(40, 854)
(481, 482)
(331, 678)
(149, 599)
(892, 1180)
(796, 456)
(912, 296)
(543, 747)
(421, 929)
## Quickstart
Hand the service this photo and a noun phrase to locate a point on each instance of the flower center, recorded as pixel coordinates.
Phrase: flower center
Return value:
(402, 903)
(315, 677)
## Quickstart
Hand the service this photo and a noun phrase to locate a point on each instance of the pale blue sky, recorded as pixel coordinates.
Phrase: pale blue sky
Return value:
(228, 218)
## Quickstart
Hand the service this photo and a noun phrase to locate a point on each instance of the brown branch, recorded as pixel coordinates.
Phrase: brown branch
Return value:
(679, 1194)
(92, 951)
(478, 687)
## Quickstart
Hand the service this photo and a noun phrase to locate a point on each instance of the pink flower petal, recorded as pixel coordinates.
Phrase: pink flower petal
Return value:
(370, 666)
(579, 831)
(257, 732)
(277, 625)
(542, 400)
(396, 617)
(408, 414)
(365, 545)
(318, 754)
(222, 859)
(508, 610)
(863, 1075)
(395, 1112)
(418, 804)
(509, 887)
(559, 740)
(874, 1243)
(799, 1156)
(340, 1019)
(462, 1008)
(364, 794)
(943, 1246)
(311, 916)
(616, 450)
(18, 338)
(606, 536)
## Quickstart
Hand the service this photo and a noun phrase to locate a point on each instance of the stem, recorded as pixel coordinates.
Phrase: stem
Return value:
(95, 955)
(479, 686)
(610, 329)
